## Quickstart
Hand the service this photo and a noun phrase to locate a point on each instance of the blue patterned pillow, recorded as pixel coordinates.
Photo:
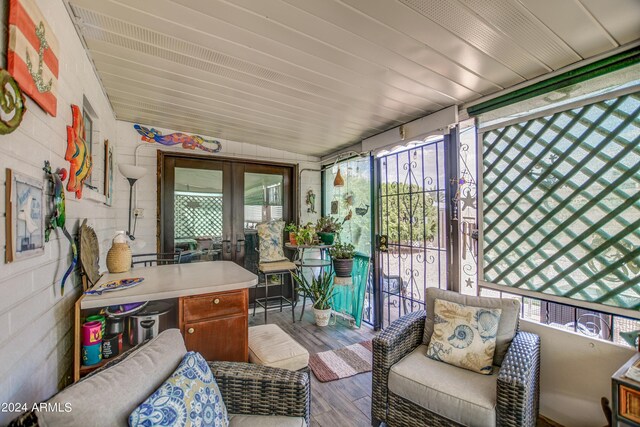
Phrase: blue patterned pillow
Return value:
(464, 336)
(270, 235)
(189, 397)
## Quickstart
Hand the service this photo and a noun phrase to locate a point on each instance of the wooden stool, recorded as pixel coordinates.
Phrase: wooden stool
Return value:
(281, 269)
(271, 346)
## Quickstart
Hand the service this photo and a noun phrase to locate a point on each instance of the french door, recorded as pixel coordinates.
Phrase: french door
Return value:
(211, 207)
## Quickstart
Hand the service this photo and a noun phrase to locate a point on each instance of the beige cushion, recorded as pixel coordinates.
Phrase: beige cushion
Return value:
(271, 346)
(272, 267)
(265, 421)
(507, 327)
(107, 398)
(460, 395)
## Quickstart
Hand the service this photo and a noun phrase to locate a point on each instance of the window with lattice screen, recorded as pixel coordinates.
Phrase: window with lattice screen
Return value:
(197, 215)
(561, 203)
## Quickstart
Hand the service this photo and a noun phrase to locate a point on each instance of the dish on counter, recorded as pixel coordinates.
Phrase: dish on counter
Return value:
(115, 285)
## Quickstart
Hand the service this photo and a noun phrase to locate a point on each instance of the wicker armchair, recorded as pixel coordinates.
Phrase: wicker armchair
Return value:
(517, 380)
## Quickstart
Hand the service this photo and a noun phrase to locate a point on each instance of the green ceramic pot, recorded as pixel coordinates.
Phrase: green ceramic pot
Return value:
(327, 238)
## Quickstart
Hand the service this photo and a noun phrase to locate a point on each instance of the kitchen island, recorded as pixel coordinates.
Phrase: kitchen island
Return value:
(211, 301)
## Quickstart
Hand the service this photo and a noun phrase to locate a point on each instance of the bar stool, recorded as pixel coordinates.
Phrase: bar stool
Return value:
(275, 269)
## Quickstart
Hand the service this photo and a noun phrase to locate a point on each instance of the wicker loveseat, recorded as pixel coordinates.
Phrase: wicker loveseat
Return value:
(439, 394)
(254, 394)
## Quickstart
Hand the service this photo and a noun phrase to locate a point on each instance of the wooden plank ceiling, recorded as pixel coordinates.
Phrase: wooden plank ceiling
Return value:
(313, 76)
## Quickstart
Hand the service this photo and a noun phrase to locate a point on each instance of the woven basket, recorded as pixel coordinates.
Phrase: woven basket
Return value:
(119, 258)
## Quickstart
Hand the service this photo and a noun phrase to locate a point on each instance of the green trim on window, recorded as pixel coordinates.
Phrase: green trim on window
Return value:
(596, 69)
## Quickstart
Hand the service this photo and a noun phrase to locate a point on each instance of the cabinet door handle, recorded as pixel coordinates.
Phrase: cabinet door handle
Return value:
(216, 301)
(191, 330)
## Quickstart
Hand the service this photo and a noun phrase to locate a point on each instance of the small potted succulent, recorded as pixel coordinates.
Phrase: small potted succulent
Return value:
(291, 228)
(306, 235)
(327, 227)
(321, 291)
(342, 255)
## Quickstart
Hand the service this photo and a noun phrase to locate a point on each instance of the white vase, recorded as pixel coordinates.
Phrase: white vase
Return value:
(322, 316)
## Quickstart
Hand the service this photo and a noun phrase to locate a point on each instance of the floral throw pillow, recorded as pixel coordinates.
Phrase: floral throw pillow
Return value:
(464, 336)
(189, 397)
(270, 236)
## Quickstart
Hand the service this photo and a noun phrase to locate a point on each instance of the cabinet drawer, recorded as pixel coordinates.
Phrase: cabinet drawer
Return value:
(214, 305)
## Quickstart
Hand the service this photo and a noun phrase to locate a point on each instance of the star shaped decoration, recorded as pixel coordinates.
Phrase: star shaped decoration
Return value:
(469, 283)
(468, 201)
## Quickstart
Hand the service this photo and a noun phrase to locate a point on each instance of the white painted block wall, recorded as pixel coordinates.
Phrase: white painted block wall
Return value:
(35, 320)
(145, 194)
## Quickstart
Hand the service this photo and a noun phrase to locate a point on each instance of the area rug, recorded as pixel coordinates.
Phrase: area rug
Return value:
(341, 363)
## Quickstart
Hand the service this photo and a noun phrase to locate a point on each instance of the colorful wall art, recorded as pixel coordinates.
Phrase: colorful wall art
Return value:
(33, 53)
(12, 106)
(77, 154)
(190, 142)
(58, 216)
(25, 217)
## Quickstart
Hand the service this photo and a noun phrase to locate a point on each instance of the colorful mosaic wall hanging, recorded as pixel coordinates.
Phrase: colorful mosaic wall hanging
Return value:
(80, 163)
(190, 142)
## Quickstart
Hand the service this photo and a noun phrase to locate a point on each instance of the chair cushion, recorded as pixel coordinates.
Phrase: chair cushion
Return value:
(270, 241)
(464, 336)
(271, 346)
(278, 266)
(460, 395)
(265, 421)
(121, 388)
(507, 327)
(189, 397)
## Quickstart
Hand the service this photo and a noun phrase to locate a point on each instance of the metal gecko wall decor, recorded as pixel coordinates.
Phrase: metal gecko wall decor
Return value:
(190, 142)
(58, 216)
(80, 163)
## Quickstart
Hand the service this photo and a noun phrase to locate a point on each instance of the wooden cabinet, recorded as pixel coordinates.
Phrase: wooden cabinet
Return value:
(625, 395)
(217, 325)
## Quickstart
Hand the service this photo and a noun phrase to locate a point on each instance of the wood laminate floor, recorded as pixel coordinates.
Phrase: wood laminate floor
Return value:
(341, 403)
(345, 402)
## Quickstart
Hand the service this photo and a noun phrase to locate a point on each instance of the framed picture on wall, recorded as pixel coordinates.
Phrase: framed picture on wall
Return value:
(25, 216)
(108, 172)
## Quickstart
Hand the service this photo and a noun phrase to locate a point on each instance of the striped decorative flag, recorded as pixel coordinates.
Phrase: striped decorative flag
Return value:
(33, 54)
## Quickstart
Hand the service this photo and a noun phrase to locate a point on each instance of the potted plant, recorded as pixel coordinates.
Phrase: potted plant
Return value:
(306, 235)
(342, 255)
(291, 228)
(321, 291)
(327, 227)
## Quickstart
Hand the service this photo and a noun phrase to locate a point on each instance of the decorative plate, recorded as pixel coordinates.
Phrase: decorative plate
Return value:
(89, 253)
(115, 285)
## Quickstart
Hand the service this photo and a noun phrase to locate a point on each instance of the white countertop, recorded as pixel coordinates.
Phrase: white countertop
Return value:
(173, 281)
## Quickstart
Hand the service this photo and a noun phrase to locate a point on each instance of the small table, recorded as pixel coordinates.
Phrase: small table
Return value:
(625, 396)
(324, 263)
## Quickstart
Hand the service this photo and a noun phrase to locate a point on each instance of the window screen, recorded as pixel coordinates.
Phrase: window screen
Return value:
(561, 203)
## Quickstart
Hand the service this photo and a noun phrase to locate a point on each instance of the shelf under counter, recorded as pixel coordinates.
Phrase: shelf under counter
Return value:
(222, 284)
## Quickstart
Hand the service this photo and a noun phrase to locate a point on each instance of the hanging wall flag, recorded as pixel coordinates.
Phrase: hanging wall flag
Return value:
(32, 56)
(77, 154)
(190, 142)
(12, 106)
